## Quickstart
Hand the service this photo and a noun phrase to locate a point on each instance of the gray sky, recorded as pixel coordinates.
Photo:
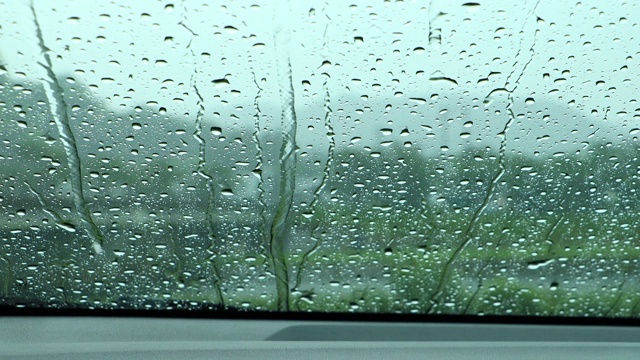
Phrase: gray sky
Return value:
(578, 55)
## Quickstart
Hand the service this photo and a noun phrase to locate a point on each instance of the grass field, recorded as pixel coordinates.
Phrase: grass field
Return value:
(578, 265)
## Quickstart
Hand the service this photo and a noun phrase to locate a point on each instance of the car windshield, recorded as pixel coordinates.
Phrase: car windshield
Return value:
(428, 157)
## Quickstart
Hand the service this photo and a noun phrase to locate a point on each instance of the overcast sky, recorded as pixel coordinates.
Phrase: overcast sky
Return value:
(377, 62)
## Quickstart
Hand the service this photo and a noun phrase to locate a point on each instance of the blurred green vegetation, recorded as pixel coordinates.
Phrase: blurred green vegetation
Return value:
(558, 235)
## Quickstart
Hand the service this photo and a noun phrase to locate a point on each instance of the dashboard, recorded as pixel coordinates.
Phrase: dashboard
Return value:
(162, 338)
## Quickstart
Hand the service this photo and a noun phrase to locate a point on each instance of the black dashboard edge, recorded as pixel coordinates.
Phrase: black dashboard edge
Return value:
(230, 313)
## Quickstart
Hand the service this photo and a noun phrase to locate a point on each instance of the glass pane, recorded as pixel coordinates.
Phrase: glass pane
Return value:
(394, 156)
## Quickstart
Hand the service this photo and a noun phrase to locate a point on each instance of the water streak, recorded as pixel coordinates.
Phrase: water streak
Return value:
(287, 159)
(210, 185)
(59, 111)
(262, 212)
(468, 234)
(317, 240)
(60, 222)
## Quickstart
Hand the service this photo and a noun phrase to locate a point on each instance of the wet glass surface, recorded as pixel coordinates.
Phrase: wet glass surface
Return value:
(413, 157)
